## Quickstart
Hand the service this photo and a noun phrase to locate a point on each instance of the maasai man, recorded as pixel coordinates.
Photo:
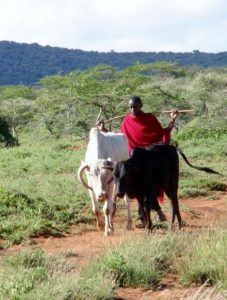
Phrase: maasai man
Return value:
(143, 129)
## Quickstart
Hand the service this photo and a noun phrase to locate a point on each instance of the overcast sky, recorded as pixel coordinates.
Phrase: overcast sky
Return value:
(119, 25)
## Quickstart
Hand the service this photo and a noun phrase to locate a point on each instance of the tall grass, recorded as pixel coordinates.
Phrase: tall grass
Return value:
(45, 197)
(39, 195)
(205, 260)
(197, 259)
(39, 192)
(206, 152)
(35, 275)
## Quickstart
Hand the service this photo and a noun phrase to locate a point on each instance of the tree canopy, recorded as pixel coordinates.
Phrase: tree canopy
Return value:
(27, 63)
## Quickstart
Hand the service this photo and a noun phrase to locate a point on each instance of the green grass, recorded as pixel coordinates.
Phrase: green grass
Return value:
(196, 258)
(35, 275)
(205, 153)
(40, 194)
(202, 133)
(205, 260)
(45, 197)
(23, 217)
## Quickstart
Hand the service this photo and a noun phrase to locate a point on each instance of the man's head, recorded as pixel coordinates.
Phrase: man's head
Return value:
(135, 105)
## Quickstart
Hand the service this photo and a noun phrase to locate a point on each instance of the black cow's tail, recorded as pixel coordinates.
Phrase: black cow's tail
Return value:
(205, 169)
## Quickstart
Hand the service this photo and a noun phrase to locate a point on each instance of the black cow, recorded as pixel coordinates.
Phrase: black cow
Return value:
(146, 172)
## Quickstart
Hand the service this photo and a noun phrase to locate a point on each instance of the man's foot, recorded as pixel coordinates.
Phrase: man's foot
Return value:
(140, 224)
(161, 216)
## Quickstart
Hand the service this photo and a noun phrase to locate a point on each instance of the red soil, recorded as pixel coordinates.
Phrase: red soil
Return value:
(197, 212)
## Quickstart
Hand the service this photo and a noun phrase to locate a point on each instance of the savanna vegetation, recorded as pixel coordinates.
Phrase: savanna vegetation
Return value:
(43, 135)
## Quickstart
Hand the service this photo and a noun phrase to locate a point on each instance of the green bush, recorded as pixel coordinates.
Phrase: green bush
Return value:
(23, 217)
(201, 133)
(205, 259)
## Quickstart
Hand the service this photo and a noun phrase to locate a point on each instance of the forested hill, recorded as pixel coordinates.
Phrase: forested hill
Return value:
(27, 63)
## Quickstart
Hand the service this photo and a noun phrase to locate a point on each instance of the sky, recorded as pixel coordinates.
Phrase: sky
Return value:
(117, 25)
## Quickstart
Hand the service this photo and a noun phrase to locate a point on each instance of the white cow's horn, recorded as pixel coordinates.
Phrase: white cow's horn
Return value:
(81, 178)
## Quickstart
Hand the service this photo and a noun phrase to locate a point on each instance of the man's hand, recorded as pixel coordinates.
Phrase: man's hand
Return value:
(101, 125)
(174, 114)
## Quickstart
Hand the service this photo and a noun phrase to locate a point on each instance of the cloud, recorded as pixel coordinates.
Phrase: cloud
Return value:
(129, 25)
(195, 6)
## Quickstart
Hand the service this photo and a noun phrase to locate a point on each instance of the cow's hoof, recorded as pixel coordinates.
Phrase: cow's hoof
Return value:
(114, 209)
(109, 232)
(161, 216)
(171, 227)
(183, 224)
(100, 225)
(140, 224)
(148, 231)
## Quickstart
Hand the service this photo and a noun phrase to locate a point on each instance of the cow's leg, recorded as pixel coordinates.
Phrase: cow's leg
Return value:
(171, 191)
(175, 211)
(156, 206)
(114, 209)
(96, 210)
(108, 211)
(129, 217)
(147, 206)
(95, 206)
(111, 203)
(114, 200)
(142, 213)
(154, 192)
(141, 222)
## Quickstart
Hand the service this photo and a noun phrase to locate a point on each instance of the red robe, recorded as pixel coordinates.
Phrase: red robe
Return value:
(144, 130)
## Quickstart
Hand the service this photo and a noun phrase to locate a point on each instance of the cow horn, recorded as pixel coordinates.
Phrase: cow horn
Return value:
(81, 178)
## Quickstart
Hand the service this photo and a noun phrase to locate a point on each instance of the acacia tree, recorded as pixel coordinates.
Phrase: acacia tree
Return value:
(207, 93)
(68, 105)
(6, 136)
(16, 107)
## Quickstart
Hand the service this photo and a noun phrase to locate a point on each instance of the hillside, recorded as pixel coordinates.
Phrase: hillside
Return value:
(28, 63)
(49, 245)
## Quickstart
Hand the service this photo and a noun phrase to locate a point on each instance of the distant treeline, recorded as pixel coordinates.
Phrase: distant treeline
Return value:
(28, 63)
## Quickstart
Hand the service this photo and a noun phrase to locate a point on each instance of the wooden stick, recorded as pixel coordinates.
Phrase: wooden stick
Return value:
(169, 111)
(114, 118)
(156, 112)
(99, 114)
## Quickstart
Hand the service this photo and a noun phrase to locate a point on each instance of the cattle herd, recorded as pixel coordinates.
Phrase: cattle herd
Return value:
(112, 173)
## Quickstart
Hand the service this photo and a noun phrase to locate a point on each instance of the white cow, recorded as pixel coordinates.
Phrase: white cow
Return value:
(103, 149)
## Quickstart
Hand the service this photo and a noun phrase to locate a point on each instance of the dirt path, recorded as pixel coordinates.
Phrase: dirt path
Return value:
(82, 248)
